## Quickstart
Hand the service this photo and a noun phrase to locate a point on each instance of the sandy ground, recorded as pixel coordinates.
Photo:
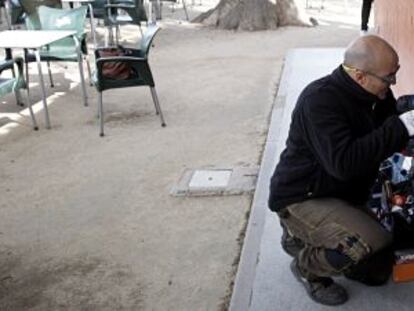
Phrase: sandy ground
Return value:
(87, 223)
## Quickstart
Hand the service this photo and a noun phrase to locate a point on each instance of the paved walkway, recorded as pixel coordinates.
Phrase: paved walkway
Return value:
(264, 281)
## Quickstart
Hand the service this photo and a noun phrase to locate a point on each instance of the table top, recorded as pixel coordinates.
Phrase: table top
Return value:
(31, 39)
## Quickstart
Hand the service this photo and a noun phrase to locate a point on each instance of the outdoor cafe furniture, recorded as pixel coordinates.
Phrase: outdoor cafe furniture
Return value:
(135, 15)
(140, 75)
(15, 83)
(35, 40)
(89, 4)
(68, 49)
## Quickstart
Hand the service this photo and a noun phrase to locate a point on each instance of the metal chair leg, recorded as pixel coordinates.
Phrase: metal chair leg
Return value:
(117, 33)
(88, 65)
(27, 71)
(50, 74)
(29, 104)
(26, 64)
(19, 101)
(110, 40)
(82, 77)
(101, 115)
(157, 105)
(155, 101)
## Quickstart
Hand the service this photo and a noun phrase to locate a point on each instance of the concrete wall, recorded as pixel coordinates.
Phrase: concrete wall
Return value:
(394, 21)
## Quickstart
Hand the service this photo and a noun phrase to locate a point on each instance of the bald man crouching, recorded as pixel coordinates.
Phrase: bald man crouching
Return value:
(343, 126)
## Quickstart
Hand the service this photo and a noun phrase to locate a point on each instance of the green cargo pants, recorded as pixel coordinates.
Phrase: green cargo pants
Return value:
(330, 225)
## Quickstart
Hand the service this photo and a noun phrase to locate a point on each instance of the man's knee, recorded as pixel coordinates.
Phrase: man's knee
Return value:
(337, 260)
(352, 250)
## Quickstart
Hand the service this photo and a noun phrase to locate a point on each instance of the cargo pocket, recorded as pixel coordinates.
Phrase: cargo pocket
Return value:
(336, 237)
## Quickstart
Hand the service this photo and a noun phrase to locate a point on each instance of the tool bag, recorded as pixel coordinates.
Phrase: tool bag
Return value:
(392, 197)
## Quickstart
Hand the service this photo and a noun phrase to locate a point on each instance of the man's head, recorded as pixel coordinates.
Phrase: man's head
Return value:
(372, 63)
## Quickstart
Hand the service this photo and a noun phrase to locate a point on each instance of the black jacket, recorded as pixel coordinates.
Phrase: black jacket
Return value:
(338, 136)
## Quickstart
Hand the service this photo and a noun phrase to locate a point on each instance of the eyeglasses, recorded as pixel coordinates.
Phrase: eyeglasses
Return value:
(389, 79)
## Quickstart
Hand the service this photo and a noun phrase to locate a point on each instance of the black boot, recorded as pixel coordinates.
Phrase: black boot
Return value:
(322, 290)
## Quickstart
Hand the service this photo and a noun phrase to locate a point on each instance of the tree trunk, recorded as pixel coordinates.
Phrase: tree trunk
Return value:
(289, 14)
(253, 15)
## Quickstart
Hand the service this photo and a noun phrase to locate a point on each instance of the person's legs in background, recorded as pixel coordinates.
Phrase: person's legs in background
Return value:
(366, 10)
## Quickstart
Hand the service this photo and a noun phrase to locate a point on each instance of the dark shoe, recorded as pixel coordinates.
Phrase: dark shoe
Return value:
(322, 290)
(290, 244)
(367, 279)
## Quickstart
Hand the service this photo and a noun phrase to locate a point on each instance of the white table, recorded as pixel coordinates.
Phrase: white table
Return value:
(35, 39)
(91, 17)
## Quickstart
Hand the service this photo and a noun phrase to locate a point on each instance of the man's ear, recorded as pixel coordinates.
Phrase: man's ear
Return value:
(360, 77)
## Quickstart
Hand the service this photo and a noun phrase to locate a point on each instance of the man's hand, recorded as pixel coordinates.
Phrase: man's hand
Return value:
(408, 119)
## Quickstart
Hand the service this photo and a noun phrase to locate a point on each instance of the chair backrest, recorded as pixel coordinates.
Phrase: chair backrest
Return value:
(147, 38)
(136, 11)
(59, 19)
(99, 8)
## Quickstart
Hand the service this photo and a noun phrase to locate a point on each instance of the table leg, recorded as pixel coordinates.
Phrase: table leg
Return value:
(42, 85)
(92, 19)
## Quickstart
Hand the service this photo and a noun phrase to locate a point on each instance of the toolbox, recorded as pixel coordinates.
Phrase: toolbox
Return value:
(403, 269)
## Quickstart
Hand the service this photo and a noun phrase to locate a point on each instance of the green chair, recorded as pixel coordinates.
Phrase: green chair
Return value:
(135, 15)
(15, 83)
(141, 76)
(99, 8)
(99, 13)
(65, 50)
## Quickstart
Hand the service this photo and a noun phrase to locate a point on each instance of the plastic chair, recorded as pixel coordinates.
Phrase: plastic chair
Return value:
(15, 83)
(142, 76)
(135, 14)
(98, 6)
(65, 50)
